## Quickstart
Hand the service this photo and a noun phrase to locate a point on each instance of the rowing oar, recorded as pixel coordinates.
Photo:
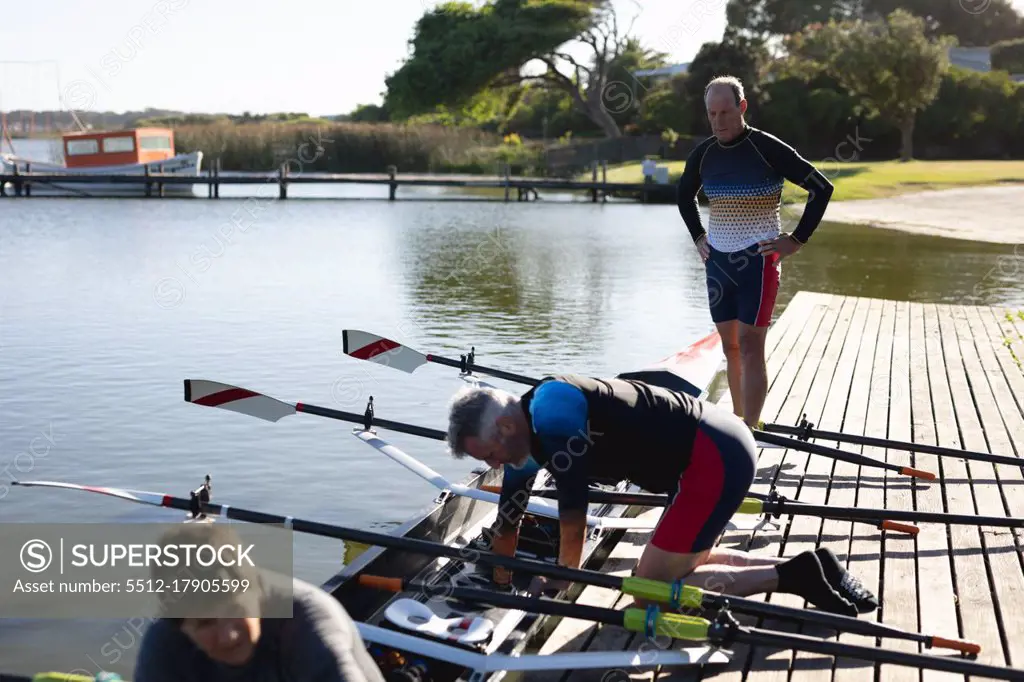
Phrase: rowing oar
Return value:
(805, 431)
(723, 631)
(771, 508)
(676, 594)
(244, 401)
(367, 346)
(774, 505)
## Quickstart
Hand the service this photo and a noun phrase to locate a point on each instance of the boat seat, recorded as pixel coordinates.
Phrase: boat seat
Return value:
(418, 617)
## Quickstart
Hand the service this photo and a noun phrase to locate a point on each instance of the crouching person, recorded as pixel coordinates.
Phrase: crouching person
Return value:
(234, 640)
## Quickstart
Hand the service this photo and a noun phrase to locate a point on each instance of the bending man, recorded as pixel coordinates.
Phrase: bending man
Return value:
(664, 441)
(742, 171)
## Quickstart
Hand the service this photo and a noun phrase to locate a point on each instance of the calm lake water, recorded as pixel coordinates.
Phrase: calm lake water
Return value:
(107, 305)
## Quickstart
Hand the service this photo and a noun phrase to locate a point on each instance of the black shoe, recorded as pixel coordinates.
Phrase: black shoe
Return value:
(845, 583)
(803, 576)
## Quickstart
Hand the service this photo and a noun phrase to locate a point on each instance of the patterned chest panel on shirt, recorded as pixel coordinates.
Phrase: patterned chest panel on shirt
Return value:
(744, 194)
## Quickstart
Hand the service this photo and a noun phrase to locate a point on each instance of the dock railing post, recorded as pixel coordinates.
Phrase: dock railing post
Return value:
(593, 179)
(216, 182)
(28, 183)
(160, 182)
(149, 183)
(392, 183)
(508, 173)
(282, 175)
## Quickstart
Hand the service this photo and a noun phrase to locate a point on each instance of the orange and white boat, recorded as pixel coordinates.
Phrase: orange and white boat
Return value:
(114, 152)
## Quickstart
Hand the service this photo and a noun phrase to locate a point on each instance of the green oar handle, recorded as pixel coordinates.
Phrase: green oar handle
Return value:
(652, 622)
(676, 594)
(751, 505)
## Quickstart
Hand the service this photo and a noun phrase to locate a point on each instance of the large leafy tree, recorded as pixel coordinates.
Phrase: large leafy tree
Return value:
(460, 50)
(890, 65)
(972, 22)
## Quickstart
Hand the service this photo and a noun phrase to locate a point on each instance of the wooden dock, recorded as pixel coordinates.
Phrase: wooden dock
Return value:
(946, 375)
(153, 184)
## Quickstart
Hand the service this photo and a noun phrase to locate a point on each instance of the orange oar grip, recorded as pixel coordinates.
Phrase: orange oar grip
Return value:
(491, 488)
(960, 645)
(917, 473)
(907, 528)
(381, 583)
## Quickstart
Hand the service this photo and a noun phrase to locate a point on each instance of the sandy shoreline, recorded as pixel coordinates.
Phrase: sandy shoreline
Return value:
(990, 213)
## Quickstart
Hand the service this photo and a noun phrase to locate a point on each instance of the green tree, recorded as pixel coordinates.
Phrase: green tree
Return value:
(459, 50)
(889, 64)
(1008, 55)
(767, 19)
(974, 23)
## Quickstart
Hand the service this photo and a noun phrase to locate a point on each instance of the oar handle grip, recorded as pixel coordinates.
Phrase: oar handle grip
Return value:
(379, 582)
(897, 527)
(674, 625)
(961, 645)
(917, 473)
(751, 505)
(675, 594)
(491, 489)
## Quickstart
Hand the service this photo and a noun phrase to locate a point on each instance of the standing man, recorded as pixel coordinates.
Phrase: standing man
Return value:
(742, 170)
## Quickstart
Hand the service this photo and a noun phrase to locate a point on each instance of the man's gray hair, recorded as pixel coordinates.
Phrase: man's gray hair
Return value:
(732, 82)
(472, 412)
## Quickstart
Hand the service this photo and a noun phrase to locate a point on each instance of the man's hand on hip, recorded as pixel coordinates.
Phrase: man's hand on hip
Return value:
(703, 248)
(784, 245)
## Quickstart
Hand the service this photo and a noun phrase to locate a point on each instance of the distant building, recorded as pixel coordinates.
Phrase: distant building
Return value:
(663, 72)
(976, 59)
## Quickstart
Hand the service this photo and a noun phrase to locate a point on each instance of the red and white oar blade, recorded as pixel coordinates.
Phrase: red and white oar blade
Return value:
(242, 400)
(366, 346)
(140, 496)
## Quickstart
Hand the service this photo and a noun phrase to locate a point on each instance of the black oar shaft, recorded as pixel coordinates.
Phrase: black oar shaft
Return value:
(823, 618)
(490, 371)
(382, 423)
(857, 513)
(507, 601)
(403, 543)
(759, 637)
(871, 441)
(835, 453)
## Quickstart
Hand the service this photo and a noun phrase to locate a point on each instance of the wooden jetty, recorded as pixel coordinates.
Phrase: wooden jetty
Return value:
(523, 188)
(940, 374)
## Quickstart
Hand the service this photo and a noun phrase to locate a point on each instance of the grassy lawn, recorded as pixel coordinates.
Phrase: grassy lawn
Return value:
(871, 180)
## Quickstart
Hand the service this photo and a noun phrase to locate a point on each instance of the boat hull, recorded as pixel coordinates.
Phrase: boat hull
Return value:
(180, 165)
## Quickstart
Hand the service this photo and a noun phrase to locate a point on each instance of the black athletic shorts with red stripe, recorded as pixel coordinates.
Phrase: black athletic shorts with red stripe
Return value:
(742, 285)
(711, 489)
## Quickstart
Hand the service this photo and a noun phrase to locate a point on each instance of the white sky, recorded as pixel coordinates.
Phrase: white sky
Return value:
(318, 56)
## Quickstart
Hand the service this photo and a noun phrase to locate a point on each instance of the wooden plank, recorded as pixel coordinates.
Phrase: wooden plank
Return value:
(898, 593)
(950, 389)
(827, 405)
(1011, 355)
(812, 378)
(937, 606)
(984, 430)
(861, 551)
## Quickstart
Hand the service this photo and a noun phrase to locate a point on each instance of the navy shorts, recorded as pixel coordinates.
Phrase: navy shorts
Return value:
(722, 466)
(742, 285)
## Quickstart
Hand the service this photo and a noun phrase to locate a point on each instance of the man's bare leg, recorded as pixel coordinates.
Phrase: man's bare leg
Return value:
(801, 575)
(730, 335)
(657, 564)
(755, 373)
